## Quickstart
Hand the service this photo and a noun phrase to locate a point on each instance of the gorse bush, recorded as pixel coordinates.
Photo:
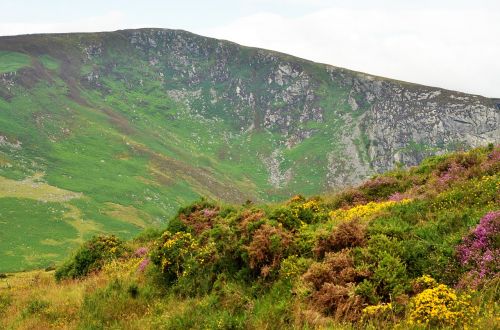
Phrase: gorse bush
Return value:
(268, 247)
(174, 251)
(379, 312)
(346, 235)
(184, 262)
(91, 257)
(441, 306)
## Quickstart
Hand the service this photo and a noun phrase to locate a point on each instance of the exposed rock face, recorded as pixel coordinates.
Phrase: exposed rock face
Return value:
(400, 122)
(351, 124)
(406, 123)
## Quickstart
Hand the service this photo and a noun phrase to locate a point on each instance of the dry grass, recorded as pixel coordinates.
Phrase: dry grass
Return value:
(38, 302)
(34, 188)
(128, 214)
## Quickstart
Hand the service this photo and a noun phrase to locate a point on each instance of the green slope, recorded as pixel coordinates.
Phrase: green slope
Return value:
(132, 124)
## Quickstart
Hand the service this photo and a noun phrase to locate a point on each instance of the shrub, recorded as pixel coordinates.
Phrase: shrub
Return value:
(422, 283)
(268, 246)
(141, 252)
(378, 312)
(310, 211)
(247, 222)
(338, 301)
(333, 283)
(296, 199)
(173, 252)
(148, 235)
(381, 187)
(91, 256)
(390, 276)
(479, 252)
(337, 268)
(365, 211)
(294, 266)
(345, 235)
(286, 217)
(348, 198)
(441, 306)
(143, 265)
(492, 164)
(197, 217)
(185, 262)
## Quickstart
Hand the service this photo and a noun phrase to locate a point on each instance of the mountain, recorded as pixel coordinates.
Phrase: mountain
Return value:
(111, 132)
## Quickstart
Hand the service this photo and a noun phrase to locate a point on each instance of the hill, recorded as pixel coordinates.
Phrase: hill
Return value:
(411, 249)
(112, 132)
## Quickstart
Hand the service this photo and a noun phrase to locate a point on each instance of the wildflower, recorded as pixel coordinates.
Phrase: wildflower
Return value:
(377, 311)
(144, 263)
(441, 306)
(141, 252)
(366, 211)
(479, 251)
(210, 213)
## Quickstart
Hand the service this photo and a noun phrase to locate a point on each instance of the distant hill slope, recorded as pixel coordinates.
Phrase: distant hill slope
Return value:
(113, 131)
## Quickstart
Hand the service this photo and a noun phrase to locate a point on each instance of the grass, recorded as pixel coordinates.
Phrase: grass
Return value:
(12, 61)
(34, 188)
(49, 62)
(33, 234)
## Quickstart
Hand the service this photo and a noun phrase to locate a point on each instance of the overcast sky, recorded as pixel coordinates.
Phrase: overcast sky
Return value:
(453, 44)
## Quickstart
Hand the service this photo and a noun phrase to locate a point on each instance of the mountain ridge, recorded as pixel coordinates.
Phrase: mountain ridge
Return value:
(154, 29)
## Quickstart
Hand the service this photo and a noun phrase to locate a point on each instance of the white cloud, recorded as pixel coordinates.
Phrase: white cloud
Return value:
(455, 49)
(110, 21)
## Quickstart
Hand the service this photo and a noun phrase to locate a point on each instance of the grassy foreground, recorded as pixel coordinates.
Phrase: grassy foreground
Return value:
(410, 249)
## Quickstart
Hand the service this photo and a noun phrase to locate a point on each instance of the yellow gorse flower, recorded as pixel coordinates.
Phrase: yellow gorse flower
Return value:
(441, 306)
(377, 310)
(365, 212)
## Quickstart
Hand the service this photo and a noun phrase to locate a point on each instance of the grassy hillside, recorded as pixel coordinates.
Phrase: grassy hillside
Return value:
(121, 153)
(409, 249)
(113, 132)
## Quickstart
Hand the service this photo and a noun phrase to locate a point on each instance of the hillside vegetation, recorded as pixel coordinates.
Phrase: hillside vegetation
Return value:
(409, 249)
(113, 132)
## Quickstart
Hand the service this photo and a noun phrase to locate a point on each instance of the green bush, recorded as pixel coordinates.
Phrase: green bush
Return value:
(186, 264)
(91, 256)
(286, 217)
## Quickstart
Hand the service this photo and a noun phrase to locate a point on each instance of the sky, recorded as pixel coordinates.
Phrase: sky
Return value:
(453, 44)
